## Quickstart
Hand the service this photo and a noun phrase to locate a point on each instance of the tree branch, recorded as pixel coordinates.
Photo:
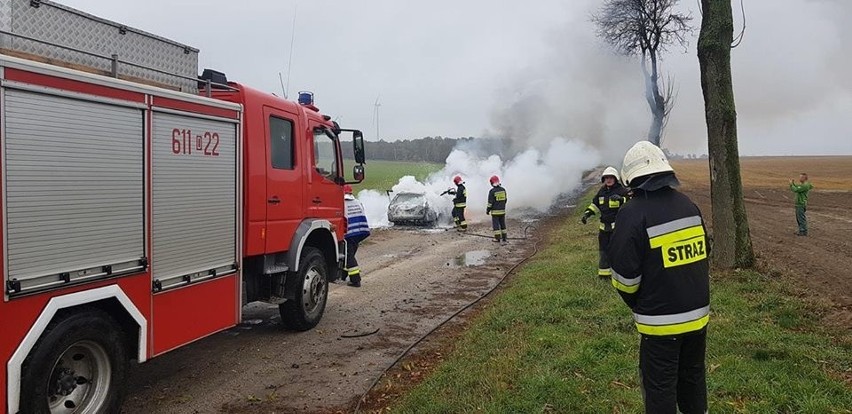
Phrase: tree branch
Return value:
(739, 38)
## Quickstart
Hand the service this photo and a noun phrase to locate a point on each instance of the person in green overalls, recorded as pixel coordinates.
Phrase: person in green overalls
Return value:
(801, 189)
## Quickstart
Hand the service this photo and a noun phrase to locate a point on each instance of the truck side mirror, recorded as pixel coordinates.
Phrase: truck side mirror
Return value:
(358, 173)
(358, 147)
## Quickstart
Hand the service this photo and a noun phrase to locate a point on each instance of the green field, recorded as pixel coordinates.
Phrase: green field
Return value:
(382, 175)
(560, 340)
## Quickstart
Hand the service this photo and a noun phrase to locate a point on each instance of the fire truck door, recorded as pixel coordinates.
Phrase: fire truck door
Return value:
(284, 179)
(326, 197)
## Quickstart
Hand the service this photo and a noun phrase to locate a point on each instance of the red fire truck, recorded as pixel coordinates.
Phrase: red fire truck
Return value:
(137, 218)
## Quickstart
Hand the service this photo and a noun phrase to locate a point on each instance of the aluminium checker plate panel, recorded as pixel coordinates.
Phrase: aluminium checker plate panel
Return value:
(62, 25)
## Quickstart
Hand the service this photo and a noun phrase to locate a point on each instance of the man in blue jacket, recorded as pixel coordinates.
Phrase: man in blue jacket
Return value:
(357, 229)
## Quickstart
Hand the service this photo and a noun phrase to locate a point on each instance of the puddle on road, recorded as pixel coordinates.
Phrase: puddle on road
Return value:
(473, 258)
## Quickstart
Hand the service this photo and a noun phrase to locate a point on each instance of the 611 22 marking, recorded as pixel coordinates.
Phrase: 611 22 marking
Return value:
(183, 142)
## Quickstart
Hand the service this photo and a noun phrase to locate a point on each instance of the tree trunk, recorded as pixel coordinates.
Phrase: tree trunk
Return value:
(655, 100)
(731, 239)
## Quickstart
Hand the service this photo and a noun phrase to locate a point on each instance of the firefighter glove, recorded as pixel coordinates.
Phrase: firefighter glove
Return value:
(616, 197)
(585, 219)
(488, 211)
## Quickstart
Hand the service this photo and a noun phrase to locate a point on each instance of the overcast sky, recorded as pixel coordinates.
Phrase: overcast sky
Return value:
(485, 67)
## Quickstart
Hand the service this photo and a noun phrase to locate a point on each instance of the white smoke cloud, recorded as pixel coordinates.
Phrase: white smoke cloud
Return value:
(534, 179)
(578, 89)
(375, 207)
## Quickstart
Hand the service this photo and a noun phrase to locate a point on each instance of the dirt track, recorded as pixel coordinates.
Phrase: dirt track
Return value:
(413, 280)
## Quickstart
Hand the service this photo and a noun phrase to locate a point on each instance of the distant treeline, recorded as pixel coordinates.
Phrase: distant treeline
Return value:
(436, 149)
(428, 149)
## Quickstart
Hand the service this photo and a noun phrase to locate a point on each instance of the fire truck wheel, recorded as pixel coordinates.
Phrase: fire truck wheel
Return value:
(310, 286)
(78, 366)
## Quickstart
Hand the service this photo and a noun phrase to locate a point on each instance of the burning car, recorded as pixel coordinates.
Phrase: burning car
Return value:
(412, 208)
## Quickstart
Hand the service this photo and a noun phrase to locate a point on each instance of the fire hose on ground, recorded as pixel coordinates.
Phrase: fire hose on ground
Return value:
(526, 229)
(404, 353)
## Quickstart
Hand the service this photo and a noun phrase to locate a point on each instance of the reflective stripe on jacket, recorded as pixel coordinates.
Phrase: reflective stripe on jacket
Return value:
(460, 199)
(497, 201)
(356, 220)
(659, 257)
(604, 206)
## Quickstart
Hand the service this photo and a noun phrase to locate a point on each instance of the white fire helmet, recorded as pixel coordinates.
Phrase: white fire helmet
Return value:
(644, 158)
(610, 171)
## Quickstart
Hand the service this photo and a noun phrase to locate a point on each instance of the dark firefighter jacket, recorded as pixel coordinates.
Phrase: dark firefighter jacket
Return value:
(460, 193)
(604, 205)
(659, 257)
(496, 201)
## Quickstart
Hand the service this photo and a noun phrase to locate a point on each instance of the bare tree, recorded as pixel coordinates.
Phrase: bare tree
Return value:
(732, 241)
(645, 29)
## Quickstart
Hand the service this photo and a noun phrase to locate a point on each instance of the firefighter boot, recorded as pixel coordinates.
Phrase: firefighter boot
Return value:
(355, 280)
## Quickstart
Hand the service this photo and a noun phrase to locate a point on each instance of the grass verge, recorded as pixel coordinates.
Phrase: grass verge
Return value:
(382, 175)
(560, 340)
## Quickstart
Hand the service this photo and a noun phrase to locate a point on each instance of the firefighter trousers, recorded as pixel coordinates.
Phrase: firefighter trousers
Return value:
(604, 268)
(672, 373)
(351, 268)
(458, 218)
(498, 223)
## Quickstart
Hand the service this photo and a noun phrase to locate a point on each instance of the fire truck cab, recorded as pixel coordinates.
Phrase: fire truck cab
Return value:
(294, 204)
(143, 205)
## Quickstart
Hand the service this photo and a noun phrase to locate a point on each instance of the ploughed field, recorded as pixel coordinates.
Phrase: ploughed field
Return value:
(820, 263)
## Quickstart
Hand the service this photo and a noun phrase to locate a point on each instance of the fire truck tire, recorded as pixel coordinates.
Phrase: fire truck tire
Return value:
(78, 365)
(310, 286)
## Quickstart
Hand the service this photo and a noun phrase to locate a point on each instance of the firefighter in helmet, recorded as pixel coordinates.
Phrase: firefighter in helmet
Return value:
(606, 203)
(459, 203)
(357, 229)
(497, 209)
(660, 267)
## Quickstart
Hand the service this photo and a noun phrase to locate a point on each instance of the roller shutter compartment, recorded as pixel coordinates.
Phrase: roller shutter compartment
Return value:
(74, 190)
(194, 199)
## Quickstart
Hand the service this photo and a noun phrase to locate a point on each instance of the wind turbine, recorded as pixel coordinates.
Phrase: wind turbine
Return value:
(376, 115)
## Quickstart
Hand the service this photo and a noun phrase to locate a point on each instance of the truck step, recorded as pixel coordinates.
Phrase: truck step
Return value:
(277, 267)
